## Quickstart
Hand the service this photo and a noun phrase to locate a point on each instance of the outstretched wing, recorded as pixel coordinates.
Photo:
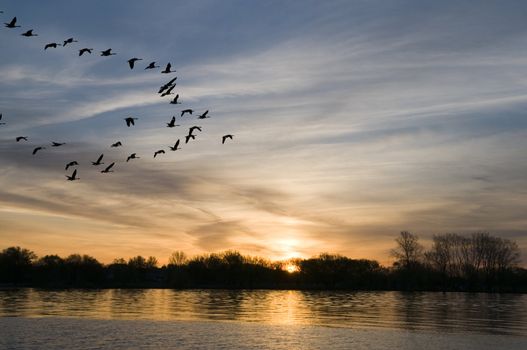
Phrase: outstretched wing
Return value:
(109, 167)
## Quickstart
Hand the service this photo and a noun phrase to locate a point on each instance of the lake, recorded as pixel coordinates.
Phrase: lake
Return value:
(260, 319)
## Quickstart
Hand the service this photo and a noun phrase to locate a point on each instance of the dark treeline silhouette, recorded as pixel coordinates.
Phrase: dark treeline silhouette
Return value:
(479, 262)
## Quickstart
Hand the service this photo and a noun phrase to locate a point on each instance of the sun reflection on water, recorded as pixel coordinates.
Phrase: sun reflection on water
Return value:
(426, 311)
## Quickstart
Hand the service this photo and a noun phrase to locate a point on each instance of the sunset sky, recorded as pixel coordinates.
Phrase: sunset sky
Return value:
(352, 121)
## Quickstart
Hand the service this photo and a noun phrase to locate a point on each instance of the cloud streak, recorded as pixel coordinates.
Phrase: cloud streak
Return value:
(351, 121)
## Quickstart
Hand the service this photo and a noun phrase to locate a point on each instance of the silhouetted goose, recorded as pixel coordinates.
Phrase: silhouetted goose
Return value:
(38, 149)
(132, 156)
(169, 91)
(74, 163)
(175, 148)
(84, 50)
(189, 111)
(57, 144)
(1, 119)
(167, 69)
(132, 61)
(107, 52)
(152, 65)
(107, 170)
(69, 41)
(191, 130)
(204, 115)
(51, 45)
(29, 33)
(12, 24)
(172, 123)
(98, 162)
(163, 88)
(175, 100)
(73, 176)
(167, 85)
(20, 138)
(225, 137)
(130, 121)
(158, 152)
(117, 144)
(188, 137)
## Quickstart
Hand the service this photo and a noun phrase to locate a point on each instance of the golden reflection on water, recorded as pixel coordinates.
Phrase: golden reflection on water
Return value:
(289, 309)
(488, 313)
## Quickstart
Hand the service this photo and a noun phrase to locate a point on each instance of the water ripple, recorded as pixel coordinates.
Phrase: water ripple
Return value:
(453, 312)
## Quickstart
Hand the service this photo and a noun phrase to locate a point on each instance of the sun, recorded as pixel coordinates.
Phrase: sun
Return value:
(291, 268)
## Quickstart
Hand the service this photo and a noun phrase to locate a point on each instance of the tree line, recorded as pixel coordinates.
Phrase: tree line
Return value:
(454, 262)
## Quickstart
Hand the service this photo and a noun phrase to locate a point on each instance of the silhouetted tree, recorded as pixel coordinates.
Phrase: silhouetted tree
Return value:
(475, 260)
(177, 258)
(83, 270)
(49, 270)
(454, 262)
(15, 264)
(408, 251)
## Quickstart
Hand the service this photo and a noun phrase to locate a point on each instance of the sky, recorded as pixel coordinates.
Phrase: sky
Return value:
(352, 121)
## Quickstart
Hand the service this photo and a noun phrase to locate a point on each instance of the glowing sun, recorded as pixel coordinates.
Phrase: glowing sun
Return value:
(291, 268)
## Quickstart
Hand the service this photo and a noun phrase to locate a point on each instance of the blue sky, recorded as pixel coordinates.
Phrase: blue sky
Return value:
(352, 120)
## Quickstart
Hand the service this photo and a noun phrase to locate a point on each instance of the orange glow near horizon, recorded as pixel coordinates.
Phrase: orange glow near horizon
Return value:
(291, 268)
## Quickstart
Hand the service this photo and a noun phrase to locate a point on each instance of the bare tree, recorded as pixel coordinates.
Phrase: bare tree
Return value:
(177, 258)
(409, 251)
(458, 256)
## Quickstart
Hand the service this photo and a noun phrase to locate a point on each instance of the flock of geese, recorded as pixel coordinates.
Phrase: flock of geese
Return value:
(164, 90)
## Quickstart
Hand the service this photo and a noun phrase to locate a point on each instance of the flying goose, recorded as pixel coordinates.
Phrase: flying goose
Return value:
(204, 115)
(132, 156)
(84, 50)
(57, 144)
(167, 85)
(189, 111)
(225, 137)
(107, 52)
(191, 130)
(107, 170)
(69, 41)
(38, 149)
(130, 121)
(169, 91)
(132, 61)
(175, 148)
(51, 45)
(20, 138)
(12, 24)
(73, 176)
(175, 100)
(172, 123)
(152, 65)
(117, 144)
(29, 33)
(71, 164)
(158, 152)
(98, 162)
(167, 69)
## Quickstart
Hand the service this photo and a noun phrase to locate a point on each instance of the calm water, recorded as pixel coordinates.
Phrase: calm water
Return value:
(460, 317)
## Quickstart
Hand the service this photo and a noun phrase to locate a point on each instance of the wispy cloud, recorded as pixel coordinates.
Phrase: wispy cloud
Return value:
(351, 121)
